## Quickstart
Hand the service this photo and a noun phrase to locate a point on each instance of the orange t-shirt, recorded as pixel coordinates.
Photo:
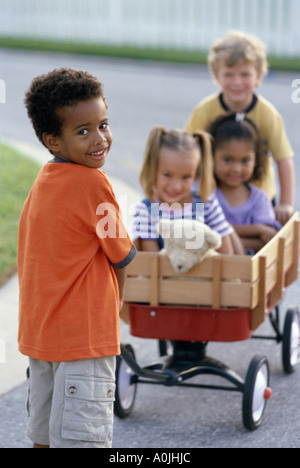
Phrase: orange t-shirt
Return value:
(68, 245)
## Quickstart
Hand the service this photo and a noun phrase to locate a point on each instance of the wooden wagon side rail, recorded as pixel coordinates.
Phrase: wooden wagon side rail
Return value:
(274, 268)
(221, 281)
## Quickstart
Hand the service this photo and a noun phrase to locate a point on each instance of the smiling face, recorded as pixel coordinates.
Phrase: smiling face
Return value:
(85, 137)
(238, 84)
(234, 163)
(176, 173)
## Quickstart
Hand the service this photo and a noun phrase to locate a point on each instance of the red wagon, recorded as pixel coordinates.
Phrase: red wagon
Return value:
(222, 299)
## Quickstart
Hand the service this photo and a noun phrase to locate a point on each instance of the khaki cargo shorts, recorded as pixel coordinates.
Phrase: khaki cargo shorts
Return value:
(70, 404)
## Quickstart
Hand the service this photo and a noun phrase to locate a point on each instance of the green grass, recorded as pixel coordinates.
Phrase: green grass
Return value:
(17, 174)
(166, 55)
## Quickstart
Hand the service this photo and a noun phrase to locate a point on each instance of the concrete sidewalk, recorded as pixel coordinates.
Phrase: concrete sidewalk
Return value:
(13, 364)
(13, 369)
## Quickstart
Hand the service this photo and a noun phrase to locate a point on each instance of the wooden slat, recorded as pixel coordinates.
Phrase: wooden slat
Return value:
(140, 264)
(286, 231)
(271, 277)
(292, 274)
(270, 250)
(258, 313)
(290, 260)
(154, 278)
(276, 293)
(254, 295)
(137, 290)
(236, 295)
(237, 267)
(183, 292)
(202, 270)
(194, 293)
(201, 294)
(217, 282)
(234, 267)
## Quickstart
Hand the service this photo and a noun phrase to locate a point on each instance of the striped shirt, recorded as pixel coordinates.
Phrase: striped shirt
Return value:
(147, 216)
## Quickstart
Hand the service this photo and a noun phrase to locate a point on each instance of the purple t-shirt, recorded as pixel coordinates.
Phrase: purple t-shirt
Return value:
(257, 209)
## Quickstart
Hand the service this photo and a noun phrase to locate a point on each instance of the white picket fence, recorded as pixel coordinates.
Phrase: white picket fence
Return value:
(180, 24)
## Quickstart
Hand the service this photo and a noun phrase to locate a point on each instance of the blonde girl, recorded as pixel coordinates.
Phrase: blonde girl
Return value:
(173, 161)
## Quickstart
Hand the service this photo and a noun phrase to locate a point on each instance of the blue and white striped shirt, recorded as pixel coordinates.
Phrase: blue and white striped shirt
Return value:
(147, 215)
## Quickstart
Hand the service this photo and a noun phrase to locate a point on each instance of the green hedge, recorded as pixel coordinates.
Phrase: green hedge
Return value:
(166, 55)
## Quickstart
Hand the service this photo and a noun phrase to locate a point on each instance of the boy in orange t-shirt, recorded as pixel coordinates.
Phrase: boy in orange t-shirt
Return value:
(72, 254)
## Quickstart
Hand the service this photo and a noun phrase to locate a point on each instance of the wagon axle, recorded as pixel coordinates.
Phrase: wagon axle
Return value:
(169, 370)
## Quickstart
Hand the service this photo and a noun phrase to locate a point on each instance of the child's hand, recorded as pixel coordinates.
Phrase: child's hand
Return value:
(266, 233)
(283, 212)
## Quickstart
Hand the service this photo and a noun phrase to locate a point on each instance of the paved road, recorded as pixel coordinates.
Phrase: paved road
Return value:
(141, 95)
(188, 418)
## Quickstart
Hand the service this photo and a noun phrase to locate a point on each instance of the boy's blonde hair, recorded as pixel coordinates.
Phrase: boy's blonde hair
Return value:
(177, 140)
(235, 46)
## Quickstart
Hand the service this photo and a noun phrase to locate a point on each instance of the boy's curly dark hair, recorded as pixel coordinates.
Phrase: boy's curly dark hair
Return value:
(58, 88)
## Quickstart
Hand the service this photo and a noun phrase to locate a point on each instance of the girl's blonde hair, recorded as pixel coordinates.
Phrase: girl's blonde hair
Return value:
(177, 140)
(235, 46)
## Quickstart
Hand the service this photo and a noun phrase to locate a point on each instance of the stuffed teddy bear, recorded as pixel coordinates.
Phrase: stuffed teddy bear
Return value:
(187, 242)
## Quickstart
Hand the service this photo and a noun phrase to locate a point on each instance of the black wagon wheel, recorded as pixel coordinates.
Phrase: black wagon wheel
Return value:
(126, 386)
(256, 392)
(291, 341)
